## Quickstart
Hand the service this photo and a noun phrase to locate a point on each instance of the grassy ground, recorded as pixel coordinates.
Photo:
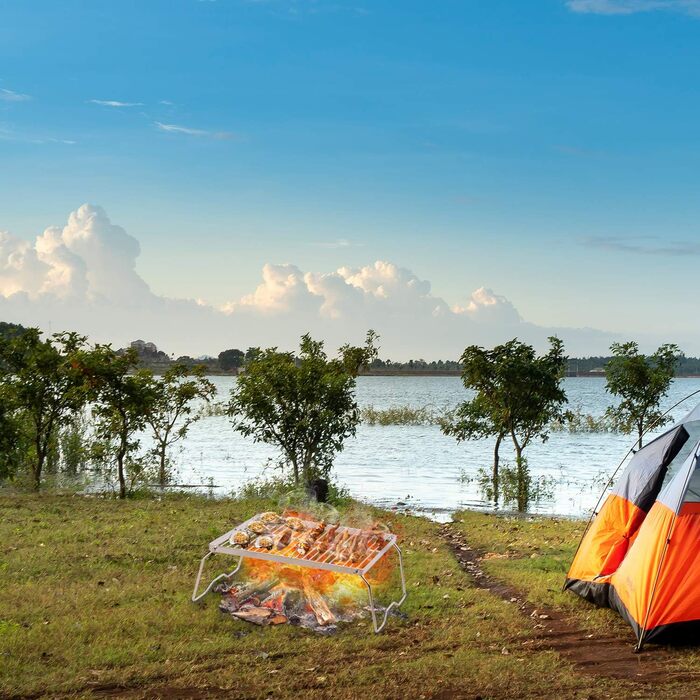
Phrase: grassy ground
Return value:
(94, 599)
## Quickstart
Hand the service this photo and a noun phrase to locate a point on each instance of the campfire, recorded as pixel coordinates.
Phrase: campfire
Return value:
(302, 570)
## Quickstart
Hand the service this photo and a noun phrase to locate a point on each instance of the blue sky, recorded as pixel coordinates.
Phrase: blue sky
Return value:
(546, 150)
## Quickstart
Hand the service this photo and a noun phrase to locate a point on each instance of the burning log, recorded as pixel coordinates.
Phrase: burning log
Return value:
(318, 605)
(256, 615)
(252, 590)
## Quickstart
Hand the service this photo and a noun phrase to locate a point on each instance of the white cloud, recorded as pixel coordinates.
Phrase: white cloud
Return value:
(177, 129)
(629, 7)
(89, 259)
(12, 96)
(82, 276)
(486, 306)
(283, 290)
(21, 271)
(116, 103)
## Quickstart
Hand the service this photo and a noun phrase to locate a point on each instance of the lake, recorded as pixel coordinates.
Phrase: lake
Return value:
(417, 465)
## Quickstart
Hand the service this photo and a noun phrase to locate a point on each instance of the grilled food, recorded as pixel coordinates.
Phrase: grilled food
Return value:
(271, 518)
(296, 524)
(283, 538)
(258, 527)
(264, 542)
(304, 544)
(240, 538)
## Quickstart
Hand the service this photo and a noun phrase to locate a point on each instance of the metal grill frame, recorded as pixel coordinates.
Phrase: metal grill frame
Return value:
(222, 545)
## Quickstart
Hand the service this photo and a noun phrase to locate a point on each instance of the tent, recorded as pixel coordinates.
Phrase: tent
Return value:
(640, 555)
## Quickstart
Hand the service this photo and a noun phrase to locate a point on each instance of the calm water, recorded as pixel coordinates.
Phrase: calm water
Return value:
(417, 465)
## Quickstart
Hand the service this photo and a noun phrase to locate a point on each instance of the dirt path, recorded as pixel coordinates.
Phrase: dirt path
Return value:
(608, 655)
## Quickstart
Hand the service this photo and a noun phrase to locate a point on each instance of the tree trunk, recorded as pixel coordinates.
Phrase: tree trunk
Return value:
(306, 470)
(495, 477)
(120, 468)
(162, 449)
(162, 477)
(37, 470)
(640, 432)
(38, 466)
(521, 472)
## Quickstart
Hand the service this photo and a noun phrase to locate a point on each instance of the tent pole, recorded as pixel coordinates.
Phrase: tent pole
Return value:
(610, 481)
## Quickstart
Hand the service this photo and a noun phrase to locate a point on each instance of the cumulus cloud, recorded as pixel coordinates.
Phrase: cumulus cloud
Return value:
(82, 276)
(487, 307)
(89, 259)
(629, 7)
(283, 290)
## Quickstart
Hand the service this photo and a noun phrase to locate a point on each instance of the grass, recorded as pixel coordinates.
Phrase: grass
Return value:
(400, 415)
(94, 596)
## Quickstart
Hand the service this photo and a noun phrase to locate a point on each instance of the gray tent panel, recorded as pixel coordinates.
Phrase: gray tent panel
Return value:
(685, 485)
(644, 474)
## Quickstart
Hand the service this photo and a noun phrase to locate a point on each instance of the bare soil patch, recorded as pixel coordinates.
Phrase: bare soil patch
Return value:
(602, 655)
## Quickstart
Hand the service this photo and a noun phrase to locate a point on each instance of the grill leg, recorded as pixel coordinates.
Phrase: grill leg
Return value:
(220, 577)
(393, 604)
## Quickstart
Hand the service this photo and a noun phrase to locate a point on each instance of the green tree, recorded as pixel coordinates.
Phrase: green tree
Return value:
(11, 330)
(534, 398)
(303, 405)
(251, 353)
(641, 382)
(231, 359)
(14, 438)
(120, 411)
(47, 385)
(518, 394)
(169, 408)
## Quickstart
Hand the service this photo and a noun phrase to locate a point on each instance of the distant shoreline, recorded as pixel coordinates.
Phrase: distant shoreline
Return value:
(458, 373)
(158, 370)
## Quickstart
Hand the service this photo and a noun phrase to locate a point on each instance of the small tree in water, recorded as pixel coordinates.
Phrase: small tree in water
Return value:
(518, 394)
(641, 382)
(305, 406)
(123, 398)
(478, 418)
(169, 408)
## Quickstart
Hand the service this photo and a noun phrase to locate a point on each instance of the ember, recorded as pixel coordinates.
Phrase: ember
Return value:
(302, 571)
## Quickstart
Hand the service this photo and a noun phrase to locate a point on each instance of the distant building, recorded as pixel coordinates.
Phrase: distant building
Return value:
(142, 347)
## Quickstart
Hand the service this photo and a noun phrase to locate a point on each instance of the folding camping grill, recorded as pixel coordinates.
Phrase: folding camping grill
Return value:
(377, 545)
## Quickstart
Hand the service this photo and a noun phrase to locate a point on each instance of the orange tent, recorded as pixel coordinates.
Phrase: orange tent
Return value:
(641, 554)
